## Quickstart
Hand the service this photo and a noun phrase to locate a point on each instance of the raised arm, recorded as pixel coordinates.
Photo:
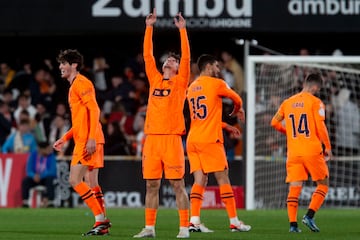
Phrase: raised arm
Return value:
(150, 63)
(184, 68)
(148, 44)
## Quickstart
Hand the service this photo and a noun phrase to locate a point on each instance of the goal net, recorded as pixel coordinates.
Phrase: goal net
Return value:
(271, 79)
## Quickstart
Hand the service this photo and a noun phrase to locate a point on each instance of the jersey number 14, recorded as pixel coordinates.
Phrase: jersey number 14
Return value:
(299, 126)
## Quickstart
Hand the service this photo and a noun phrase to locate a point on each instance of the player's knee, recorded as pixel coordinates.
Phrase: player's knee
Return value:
(153, 185)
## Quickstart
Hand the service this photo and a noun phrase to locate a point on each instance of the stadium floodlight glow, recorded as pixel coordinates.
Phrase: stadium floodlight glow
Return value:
(255, 43)
(240, 41)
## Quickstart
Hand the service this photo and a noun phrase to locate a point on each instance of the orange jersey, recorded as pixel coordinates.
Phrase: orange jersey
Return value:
(166, 97)
(304, 116)
(205, 104)
(85, 112)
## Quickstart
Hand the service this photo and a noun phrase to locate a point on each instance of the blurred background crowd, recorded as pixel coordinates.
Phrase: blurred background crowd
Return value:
(34, 108)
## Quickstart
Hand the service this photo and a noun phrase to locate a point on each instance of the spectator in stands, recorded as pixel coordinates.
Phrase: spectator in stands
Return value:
(138, 126)
(58, 128)
(7, 73)
(230, 140)
(227, 75)
(2, 85)
(232, 65)
(141, 91)
(5, 122)
(62, 109)
(269, 145)
(62, 87)
(300, 72)
(46, 85)
(21, 140)
(121, 91)
(40, 170)
(24, 103)
(304, 51)
(24, 115)
(347, 120)
(24, 79)
(8, 97)
(42, 123)
(100, 68)
(137, 64)
(116, 142)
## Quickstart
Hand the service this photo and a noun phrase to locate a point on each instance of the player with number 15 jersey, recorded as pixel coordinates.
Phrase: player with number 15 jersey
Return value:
(205, 102)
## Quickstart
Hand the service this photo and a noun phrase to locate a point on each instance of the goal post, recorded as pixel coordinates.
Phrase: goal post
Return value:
(271, 79)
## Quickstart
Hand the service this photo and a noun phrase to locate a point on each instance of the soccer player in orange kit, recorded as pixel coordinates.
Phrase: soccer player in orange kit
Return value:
(303, 115)
(163, 150)
(205, 142)
(86, 130)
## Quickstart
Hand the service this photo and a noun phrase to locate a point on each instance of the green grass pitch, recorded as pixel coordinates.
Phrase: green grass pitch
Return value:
(67, 223)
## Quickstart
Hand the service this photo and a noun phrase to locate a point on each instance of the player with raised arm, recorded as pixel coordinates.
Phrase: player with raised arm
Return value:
(163, 150)
(302, 118)
(205, 141)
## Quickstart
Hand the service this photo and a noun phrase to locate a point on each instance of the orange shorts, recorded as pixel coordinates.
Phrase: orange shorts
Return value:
(163, 154)
(299, 168)
(208, 157)
(96, 160)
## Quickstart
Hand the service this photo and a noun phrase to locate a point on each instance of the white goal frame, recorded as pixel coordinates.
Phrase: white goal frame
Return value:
(250, 76)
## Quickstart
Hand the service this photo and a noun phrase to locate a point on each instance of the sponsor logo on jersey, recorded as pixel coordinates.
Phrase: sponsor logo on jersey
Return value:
(161, 92)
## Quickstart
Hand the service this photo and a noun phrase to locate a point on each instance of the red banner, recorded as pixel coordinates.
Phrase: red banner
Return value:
(212, 197)
(12, 172)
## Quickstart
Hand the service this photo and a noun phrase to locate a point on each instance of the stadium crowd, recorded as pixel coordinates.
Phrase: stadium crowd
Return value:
(33, 94)
(33, 91)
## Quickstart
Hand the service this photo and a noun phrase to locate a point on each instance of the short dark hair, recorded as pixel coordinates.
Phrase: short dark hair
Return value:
(174, 55)
(314, 79)
(24, 122)
(205, 59)
(43, 144)
(25, 112)
(71, 56)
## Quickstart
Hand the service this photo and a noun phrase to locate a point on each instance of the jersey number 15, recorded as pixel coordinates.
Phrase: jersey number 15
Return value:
(198, 107)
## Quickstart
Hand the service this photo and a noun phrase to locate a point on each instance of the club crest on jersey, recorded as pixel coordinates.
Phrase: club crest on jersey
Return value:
(161, 92)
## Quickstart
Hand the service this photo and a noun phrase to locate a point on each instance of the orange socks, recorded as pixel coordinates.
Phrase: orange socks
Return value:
(88, 197)
(99, 197)
(227, 197)
(293, 202)
(196, 199)
(150, 216)
(184, 217)
(318, 197)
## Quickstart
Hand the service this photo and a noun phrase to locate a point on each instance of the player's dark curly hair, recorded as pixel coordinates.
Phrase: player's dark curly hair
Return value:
(71, 56)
